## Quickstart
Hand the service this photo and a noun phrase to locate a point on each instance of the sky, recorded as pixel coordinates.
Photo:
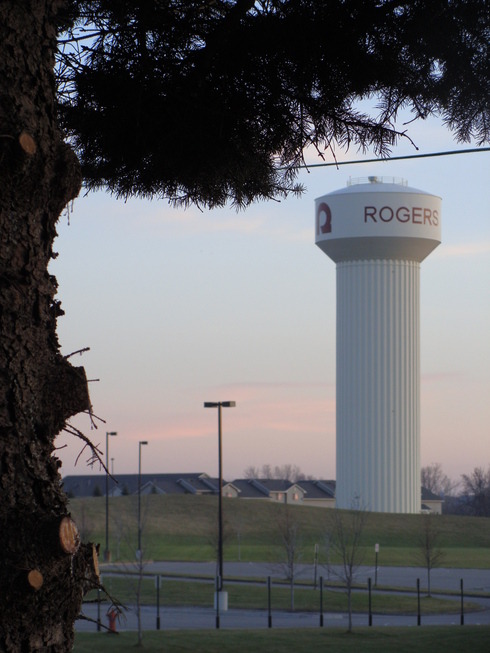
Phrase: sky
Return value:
(183, 306)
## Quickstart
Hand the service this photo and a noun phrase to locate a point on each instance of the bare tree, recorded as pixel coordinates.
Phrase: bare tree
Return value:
(287, 472)
(120, 529)
(435, 480)
(476, 491)
(125, 525)
(290, 539)
(237, 522)
(125, 529)
(429, 552)
(138, 570)
(345, 530)
(134, 575)
(140, 567)
(213, 537)
(85, 524)
(251, 472)
(266, 471)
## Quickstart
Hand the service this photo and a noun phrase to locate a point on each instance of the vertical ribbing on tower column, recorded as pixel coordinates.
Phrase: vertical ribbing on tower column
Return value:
(378, 385)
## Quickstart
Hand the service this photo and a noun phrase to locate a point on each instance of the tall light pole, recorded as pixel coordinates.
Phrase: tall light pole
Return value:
(219, 405)
(107, 554)
(140, 444)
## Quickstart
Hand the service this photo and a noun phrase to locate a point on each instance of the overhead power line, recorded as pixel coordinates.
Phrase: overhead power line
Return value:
(396, 158)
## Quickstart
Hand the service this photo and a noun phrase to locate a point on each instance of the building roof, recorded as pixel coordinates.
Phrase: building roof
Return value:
(93, 484)
(200, 483)
(275, 484)
(428, 495)
(254, 488)
(248, 490)
(318, 489)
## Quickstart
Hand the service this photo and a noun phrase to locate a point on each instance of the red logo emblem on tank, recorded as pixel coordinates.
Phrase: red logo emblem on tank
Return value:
(323, 219)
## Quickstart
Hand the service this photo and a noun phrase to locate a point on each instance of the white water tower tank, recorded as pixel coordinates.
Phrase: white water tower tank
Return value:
(378, 231)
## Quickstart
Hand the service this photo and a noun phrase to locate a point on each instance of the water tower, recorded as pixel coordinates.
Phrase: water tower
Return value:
(378, 231)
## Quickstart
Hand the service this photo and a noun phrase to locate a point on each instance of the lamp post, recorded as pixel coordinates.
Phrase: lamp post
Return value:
(140, 444)
(219, 586)
(107, 554)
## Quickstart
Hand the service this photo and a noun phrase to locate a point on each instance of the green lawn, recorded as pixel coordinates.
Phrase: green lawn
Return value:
(251, 596)
(183, 528)
(452, 639)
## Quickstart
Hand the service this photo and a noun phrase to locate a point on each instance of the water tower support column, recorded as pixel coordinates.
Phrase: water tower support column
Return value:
(378, 404)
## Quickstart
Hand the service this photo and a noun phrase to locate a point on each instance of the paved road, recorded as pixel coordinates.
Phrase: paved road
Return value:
(205, 618)
(474, 580)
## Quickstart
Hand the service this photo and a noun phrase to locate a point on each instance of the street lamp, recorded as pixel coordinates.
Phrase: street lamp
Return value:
(107, 554)
(140, 444)
(219, 405)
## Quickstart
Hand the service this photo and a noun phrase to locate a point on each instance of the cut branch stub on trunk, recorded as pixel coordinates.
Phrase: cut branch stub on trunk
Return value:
(95, 561)
(27, 143)
(35, 579)
(68, 535)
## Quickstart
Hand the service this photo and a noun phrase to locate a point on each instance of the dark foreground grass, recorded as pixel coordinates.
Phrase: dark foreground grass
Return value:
(451, 639)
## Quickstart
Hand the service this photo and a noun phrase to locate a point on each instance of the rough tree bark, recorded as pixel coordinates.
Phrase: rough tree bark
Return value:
(44, 572)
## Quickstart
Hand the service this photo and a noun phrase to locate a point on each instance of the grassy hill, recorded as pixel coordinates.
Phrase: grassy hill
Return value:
(185, 527)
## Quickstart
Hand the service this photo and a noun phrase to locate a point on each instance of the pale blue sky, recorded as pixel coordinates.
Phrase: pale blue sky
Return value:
(180, 306)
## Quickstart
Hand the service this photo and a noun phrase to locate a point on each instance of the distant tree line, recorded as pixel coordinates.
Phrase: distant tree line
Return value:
(476, 492)
(285, 472)
(469, 496)
(436, 481)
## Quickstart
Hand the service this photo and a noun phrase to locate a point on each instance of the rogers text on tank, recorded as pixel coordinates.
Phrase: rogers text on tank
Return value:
(416, 215)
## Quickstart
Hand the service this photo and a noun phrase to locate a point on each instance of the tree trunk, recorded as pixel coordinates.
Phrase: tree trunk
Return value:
(349, 605)
(40, 390)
